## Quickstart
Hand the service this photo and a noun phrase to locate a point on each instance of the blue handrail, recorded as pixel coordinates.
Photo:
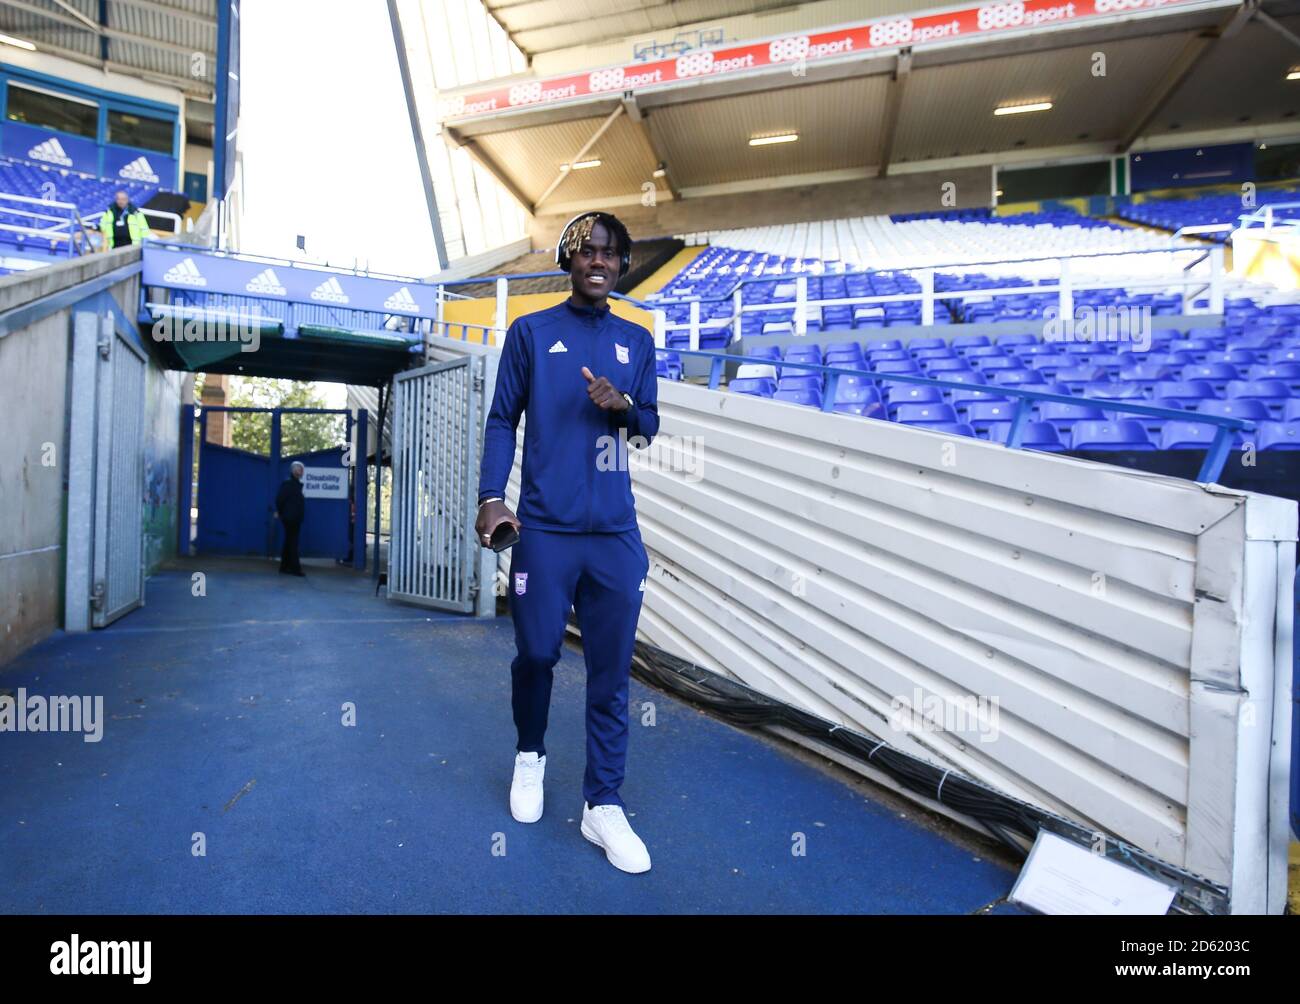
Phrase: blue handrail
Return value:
(1215, 458)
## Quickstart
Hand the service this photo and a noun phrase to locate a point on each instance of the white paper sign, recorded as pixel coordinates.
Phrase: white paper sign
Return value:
(1062, 878)
(325, 482)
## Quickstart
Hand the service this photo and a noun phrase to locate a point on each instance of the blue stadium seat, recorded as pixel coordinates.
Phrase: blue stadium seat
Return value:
(1002, 361)
(911, 393)
(953, 429)
(794, 380)
(1076, 377)
(803, 353)
(963, 342)
(1035, 436)
(1192, 391)
(1274, 393)
(1148, 372)
(1180, 435)
(757, 386)
(865, 409)
(1122, 434)
(1061, 416)
(1278, 435)
(981, 414)
(857, 394)
(1015, 377)
(900, 366)
(1247, 408)
(941, 368)
(925, 414)
(802, 395)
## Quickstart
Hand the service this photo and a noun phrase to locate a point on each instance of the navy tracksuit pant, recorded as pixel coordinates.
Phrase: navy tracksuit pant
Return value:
(601, 576)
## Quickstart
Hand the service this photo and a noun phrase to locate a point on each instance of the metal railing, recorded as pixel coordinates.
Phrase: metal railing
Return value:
(1264, 217)
(1215, 458)
(1065, 287)
(292, 314)
(1067, 284)
(45, 220)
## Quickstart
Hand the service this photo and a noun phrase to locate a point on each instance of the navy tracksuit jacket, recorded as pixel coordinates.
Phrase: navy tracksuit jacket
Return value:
(580, 546)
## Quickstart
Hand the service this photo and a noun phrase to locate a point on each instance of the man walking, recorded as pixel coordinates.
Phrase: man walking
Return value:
(586, 379)
(122, 223)
(289, 507)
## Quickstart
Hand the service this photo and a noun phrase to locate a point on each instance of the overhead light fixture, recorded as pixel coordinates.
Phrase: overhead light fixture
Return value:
(1293, 75)
(582, 164)
(1036, 106)
(788, 137)
(19, 43)
(997, 194)
(659, 171)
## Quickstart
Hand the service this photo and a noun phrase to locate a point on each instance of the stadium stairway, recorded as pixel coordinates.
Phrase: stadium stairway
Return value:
(401, 813)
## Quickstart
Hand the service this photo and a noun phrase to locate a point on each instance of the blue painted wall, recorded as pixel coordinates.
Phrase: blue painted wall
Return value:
(1199, 165)
(237, 498)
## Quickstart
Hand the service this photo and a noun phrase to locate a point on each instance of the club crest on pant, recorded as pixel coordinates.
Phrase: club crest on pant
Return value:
(521, 583)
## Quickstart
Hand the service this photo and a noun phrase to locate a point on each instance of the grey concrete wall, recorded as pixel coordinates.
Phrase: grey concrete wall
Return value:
(33, 478)
(906, 193)
(33, 370)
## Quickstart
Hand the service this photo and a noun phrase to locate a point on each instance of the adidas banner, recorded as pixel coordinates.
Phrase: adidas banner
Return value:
(141, 167)
(55, 150)
(194, 270)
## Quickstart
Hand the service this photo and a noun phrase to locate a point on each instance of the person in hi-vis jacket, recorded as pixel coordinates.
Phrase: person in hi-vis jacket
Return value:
(586, 379)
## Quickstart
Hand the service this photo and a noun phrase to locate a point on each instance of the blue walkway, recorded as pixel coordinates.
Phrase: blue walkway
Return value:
(223, 717)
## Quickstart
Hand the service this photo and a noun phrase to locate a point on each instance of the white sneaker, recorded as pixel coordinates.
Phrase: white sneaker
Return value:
(607, 827)
(526, 788)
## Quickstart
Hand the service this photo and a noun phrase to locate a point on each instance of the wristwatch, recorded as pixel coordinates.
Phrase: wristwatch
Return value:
(628, 398)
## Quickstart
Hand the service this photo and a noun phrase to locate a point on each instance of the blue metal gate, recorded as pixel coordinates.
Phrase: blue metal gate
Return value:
(237, 488)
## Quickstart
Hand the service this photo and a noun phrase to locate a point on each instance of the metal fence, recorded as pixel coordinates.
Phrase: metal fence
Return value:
(433, 556)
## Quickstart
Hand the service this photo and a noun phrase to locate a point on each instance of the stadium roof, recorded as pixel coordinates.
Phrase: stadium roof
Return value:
(541, 26)
(152, 39)
(1171, 71)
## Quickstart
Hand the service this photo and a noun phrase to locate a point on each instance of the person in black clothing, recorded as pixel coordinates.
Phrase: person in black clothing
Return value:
(289, 508)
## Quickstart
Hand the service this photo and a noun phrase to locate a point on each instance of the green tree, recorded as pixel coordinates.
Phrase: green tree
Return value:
(298, 433)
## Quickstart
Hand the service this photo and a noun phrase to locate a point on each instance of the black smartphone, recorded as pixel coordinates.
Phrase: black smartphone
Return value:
(504, 536)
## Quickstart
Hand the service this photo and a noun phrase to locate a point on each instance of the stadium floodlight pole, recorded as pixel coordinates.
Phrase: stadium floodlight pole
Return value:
(417, 134)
